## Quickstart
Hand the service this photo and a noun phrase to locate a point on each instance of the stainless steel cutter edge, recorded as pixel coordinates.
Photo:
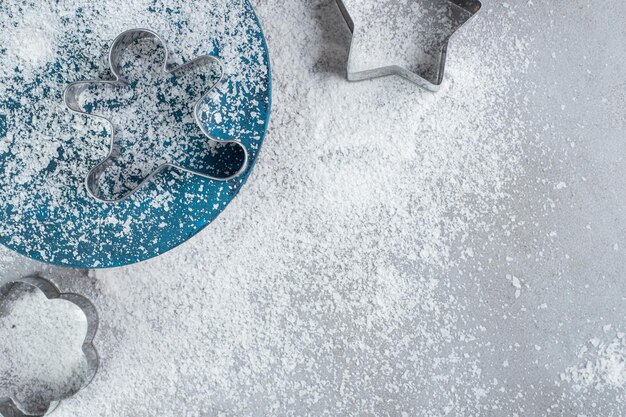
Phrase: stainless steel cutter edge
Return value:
(472, 6)
(73, 91)
(8, 406)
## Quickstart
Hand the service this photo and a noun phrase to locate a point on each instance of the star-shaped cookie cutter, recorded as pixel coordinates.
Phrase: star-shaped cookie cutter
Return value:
(471, 7)
(73, 92)
(9, 407)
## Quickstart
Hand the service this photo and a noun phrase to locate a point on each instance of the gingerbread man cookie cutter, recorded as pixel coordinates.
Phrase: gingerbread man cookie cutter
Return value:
(72, 99)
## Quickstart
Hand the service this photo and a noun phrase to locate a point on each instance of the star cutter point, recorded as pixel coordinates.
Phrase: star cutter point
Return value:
(461, 12)
(73, 93)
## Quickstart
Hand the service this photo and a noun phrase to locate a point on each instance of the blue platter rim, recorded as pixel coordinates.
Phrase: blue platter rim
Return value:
(72, 262)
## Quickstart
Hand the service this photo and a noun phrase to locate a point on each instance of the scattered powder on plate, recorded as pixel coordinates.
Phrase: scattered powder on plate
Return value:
(46, 151)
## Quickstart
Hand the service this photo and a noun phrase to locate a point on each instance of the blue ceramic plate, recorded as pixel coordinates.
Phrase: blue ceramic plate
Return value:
(46, 152)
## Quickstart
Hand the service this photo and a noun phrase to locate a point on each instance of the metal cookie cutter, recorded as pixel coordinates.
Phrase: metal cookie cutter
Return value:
(8, 406)
(435, 21)
(74, 91)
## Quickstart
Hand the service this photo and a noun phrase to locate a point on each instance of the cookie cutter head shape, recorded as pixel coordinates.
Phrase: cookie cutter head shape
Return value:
(426, 68)
(9, 407)
(73, 92)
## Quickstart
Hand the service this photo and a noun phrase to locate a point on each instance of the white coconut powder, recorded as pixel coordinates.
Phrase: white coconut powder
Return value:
(341, 280)
(356, 181)
(48, 151)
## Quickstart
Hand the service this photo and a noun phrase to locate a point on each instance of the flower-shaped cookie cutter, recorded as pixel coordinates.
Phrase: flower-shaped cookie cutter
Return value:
(10, 407)
(72, 100)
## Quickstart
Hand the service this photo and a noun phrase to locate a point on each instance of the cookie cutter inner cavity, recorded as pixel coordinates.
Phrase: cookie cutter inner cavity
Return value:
(43, 404)
(414, 36)
(157, 117)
